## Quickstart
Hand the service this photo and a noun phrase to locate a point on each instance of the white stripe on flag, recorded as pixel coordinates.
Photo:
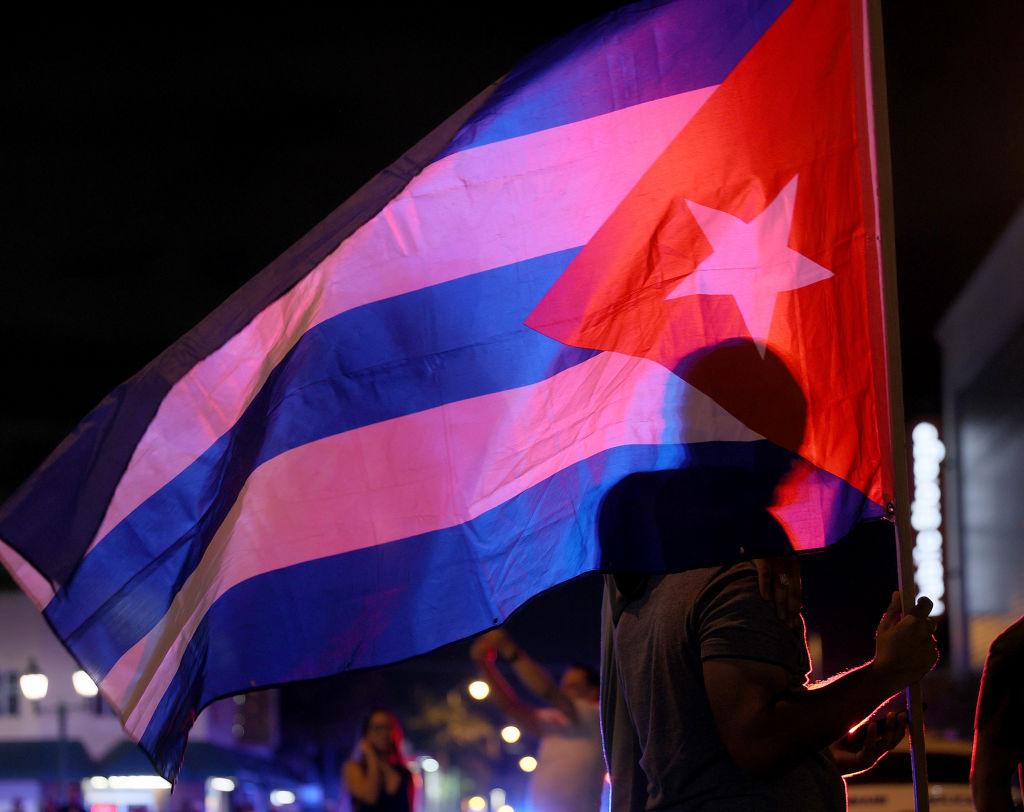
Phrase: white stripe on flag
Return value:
(26, 576)
(519, 199)
(415, 474)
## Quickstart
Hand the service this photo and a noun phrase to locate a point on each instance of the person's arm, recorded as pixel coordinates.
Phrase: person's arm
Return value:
(365, 784)
(535, 677)
(992, 769)
(528, 671)
(485, 651)
(995, 761)
(861, 750)
(766, 727)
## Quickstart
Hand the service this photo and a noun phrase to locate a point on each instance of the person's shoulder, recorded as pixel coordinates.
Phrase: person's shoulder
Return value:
(732, 579)
(694, 589)
(733, 587)
(1006, 654)
(1011, 639)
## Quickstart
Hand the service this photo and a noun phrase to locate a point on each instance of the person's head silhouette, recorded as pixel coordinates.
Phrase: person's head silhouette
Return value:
(714, 508)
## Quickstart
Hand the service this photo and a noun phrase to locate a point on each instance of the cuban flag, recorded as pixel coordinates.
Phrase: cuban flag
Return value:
(402, 429)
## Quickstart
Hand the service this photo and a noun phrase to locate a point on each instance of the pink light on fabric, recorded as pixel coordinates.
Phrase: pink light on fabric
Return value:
(573, 175)
(458, 461)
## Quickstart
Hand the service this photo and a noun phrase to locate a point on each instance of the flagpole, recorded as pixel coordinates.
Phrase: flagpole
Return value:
(899, 510)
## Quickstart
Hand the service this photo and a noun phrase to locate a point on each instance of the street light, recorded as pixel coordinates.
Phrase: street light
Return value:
(34, 685)
(222, 784)
(84, 685)
(479, 690)
(430, 765)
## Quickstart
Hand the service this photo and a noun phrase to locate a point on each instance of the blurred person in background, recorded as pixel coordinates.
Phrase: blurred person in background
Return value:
(376, 775)
(570, 764)
(999, 724)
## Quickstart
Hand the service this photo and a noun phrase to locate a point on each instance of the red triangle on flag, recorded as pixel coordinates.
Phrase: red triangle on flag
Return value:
(788, 110)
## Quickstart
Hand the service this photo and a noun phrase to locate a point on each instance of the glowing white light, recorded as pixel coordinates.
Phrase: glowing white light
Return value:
(506, 808)
(478, 689)
(137, 782)
(926, 515)
(430, 765)
(34, 686)
(511, 734)
(527, 764)
(282, 797)
(477, 803)
(923, 432)
(497, 798)
(222, 784)
(99, 782)
(84, 686)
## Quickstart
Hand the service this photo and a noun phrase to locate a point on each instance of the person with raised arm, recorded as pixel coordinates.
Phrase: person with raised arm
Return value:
(570, 766)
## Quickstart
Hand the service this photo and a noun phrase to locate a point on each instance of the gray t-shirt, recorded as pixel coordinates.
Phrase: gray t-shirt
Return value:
(660, 642)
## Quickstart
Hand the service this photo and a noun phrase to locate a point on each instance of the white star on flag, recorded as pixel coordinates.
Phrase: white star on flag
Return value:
(752, 262)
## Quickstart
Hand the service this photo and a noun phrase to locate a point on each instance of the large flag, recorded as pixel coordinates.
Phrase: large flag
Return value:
(402, 429)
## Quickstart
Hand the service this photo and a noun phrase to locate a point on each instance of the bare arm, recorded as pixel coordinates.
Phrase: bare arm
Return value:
(766, 727)
(992, 769)
(496, 643)
(996, 758)
(506, 698)
(539, 681)
(859, 751)
(364, 784)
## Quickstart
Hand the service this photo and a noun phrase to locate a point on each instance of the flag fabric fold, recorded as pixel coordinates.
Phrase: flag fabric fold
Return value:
(403, 428)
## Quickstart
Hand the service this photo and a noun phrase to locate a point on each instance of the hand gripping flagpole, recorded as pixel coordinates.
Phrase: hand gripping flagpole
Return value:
(899, 510)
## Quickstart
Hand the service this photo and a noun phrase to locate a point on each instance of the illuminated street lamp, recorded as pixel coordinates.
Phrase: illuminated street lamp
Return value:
(527, 764)
(430, 765)
(479, 690)
(34, 685)
(84, 686)
(511, 734)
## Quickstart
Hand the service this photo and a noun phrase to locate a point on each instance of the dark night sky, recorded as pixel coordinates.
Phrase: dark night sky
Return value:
(149, 169)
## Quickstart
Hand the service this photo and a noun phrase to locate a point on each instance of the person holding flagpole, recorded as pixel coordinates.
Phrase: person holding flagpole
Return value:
(704, 681)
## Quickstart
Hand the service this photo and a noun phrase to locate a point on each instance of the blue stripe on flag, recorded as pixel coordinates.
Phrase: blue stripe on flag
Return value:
(445, 343)
(75, 484)
(634, 55)
(372, 606)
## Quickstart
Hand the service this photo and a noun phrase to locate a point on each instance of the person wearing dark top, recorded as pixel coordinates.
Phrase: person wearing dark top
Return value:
(705, 704)
(377, 779)
(999, 723)
(716, 713)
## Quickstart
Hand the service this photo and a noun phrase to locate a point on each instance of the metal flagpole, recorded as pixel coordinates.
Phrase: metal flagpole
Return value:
(899, 510)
